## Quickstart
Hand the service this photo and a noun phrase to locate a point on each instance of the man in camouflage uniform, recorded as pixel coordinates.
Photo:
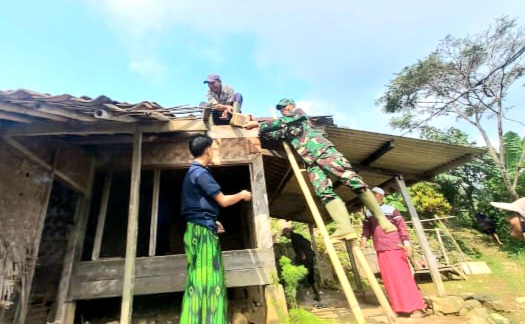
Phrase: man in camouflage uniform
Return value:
(321, 158)
(223, 99)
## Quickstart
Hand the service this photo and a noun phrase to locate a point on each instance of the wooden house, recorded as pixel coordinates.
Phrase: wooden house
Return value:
(90, 198)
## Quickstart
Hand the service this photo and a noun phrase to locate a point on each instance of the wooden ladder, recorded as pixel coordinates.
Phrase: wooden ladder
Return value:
(356, 251)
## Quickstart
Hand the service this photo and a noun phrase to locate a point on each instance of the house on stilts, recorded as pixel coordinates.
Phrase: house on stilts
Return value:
(90, 200)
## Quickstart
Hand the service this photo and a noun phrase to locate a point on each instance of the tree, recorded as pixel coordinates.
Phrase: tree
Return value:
(464, 186)
(467, 78)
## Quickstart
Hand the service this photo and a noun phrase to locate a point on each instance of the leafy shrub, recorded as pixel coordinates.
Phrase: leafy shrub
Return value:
(291, 276)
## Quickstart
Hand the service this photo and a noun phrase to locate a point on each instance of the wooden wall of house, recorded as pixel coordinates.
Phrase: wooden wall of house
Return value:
(24, 191)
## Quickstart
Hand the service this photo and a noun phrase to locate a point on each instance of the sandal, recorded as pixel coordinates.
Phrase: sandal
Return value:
(417, 314)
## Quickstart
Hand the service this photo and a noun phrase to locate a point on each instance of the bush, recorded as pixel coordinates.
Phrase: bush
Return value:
(291, 276)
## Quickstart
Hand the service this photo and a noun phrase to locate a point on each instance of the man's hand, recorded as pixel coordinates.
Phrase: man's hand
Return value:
(362, 244)
(228, 110)
(246, 195)
(251, 124)
(220, 228)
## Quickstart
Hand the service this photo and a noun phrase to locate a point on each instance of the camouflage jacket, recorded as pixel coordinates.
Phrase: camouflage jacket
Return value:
(225, 97)
(296, 129)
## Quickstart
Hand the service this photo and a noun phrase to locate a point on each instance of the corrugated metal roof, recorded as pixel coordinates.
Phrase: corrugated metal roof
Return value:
(414, 159)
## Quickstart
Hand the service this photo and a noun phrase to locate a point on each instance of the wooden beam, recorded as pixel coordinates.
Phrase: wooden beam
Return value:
(65, 312)
(451, 165)
(166, 274)
(154, 213)
(67, 113)
(8, 107)
(101, 220)
(287, 176)
(261, 212)
(31, 156)
(14, 117)
(131, 241)
(420, 234)
(48, 129)
(387, 146)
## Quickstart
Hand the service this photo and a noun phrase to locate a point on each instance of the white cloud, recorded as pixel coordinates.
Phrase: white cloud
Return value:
(149, 68)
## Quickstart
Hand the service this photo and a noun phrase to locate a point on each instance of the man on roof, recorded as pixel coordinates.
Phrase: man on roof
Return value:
(223, 100)
(321, 159)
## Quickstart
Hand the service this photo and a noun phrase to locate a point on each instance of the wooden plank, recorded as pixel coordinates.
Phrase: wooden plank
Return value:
(101, 220)
(41, 129)
(65, 312)
(420, 234)
(131, 241)
(67, 113)
(154, 213)
(103, 278)
(226, 131)
(167, 283)
(261, 211)
(8, 107)
(169, 264)
(14, 117)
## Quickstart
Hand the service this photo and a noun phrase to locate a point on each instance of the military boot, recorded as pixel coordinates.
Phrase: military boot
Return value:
(343, 228)
(236, 107)
(370, 202)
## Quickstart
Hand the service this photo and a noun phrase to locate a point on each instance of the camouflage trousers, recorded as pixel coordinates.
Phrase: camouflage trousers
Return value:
(333, 162)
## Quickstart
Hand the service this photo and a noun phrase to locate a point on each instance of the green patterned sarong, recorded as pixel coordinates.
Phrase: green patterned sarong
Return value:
(205, 300)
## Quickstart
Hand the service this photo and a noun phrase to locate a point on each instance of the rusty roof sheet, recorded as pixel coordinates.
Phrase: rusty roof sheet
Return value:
(26, 106)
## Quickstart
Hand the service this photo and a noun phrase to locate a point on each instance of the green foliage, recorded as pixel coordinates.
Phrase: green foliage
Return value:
(429, 202)
(467, 78)
(291, 276)
(396, 200)
(302, 316)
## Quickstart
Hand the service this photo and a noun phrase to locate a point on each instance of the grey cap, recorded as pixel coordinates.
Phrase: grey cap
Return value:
(212, 77)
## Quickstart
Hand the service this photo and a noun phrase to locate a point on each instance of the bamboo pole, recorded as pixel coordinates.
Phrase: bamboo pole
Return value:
(131, 242)
(442, 247)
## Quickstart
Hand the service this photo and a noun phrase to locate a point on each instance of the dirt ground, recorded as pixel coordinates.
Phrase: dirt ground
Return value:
(505, 283)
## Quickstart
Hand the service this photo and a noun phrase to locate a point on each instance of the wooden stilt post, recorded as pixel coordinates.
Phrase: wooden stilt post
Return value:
(154, 213)
(316, 251)
(343, 279)
(104, 201)
(65, 312)
(351, 257)
(420, 233)
(131, 242)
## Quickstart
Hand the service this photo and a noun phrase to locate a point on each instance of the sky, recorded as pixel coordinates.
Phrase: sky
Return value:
(334, 57)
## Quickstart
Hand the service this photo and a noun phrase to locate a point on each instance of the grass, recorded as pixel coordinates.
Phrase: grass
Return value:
(302, 316)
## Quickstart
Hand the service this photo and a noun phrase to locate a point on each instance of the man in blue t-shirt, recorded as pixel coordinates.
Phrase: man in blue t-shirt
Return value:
(205, 289)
